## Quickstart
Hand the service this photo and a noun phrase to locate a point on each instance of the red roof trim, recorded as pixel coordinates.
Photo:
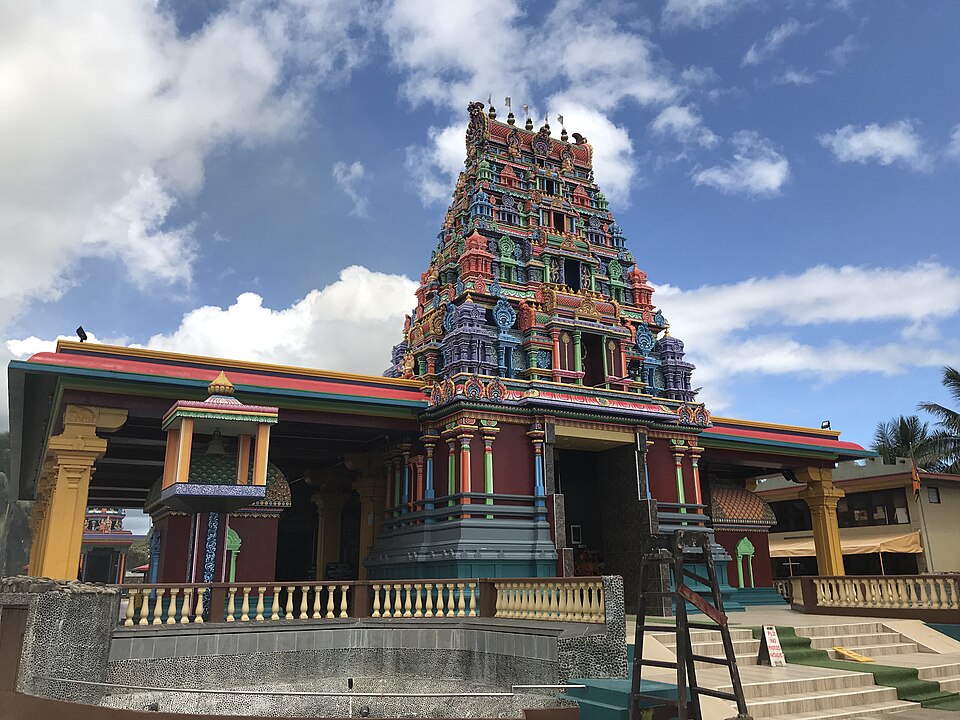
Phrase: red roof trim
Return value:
(120, 365)
(782, 437)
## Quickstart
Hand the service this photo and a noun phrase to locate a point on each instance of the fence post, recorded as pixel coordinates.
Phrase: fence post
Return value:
(218, 601)
(360, 600)
(488, 598)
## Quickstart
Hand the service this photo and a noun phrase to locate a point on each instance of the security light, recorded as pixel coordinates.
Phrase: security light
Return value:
(825, 425)
(81, 334)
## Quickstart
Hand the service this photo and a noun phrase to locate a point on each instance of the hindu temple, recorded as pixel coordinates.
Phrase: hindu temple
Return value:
(536, 405)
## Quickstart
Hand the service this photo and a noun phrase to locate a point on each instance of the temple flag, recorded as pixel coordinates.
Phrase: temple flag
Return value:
(560, 118)
(915, 479)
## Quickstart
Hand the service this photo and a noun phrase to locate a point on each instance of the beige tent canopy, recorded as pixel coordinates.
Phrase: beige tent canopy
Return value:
(863, 543)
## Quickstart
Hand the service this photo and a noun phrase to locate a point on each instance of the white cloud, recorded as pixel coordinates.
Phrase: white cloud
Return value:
(953, 150)
(365, 306)
(699, 13)
(348, 178)
(794, 77)
(840, 55)
(109, 116)
(750, 327)
(773, 41)
(683, 123)
(757, 168)
(895, 143)
(610, 64)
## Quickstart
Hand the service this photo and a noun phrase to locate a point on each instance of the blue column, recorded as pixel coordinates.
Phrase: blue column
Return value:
(539, 490)
(428, 492)
(406, 479)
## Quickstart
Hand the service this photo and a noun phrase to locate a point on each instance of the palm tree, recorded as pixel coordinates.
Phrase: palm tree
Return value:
(904, 436)
(945, 440)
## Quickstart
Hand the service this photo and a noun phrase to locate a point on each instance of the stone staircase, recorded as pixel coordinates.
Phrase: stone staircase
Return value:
(942, 669)
(708, 643)
(797, 691)
(873, 640)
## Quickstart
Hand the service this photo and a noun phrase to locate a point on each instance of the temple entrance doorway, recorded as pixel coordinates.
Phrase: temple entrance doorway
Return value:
(297, 537)
(576, 478)
(596, 472)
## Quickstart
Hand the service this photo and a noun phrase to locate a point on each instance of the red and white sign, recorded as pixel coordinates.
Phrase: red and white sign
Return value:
(774, 651)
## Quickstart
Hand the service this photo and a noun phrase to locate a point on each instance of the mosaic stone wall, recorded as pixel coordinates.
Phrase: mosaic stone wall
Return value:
(597, 655)
(68, 634)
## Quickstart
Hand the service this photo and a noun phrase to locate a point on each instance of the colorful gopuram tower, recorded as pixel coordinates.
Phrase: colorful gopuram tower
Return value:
(537, 338)
(531, 277)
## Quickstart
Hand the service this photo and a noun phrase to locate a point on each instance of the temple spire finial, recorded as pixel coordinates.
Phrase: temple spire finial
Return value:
(221, 385)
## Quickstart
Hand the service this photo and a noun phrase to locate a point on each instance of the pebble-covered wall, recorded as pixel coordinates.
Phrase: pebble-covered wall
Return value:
(68, 634)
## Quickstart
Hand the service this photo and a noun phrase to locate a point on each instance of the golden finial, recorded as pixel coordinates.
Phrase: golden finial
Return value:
(220, 386)
(469, 299)
(666, 331)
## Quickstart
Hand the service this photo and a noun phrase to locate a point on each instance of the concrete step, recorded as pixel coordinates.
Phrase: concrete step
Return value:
(875, 651)
(824, 701)
(852, 640)
(869, 710)
(777, 687)
(702, 636)
(715, 649)
(949, 684)
(741, 660)
(867, 628)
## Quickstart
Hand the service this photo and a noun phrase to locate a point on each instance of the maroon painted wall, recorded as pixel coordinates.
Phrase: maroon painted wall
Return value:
(512, 461)
(174, 543)
(258, 547)
(440, 455)
(663, 472)
(762, 576)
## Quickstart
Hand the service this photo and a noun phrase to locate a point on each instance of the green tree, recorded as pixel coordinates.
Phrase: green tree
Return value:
(905, 436)
(138, 554)
(945, 440)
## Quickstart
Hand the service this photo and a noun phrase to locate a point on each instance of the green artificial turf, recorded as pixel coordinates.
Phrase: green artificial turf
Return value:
(906, 681)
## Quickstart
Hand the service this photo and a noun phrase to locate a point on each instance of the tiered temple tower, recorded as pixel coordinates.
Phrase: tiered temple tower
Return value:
(533, 327)
(531, 277)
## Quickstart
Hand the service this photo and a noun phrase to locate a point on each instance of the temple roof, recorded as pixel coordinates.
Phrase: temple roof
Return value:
(736, 507)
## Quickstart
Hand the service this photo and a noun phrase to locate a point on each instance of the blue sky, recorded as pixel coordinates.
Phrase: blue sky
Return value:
(787, 174)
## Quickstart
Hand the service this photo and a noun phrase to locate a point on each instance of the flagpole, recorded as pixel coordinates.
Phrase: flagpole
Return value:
(927, 553)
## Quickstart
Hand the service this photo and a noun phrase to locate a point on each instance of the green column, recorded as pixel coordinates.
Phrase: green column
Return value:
(451, 468)
(488, 469)
(577, 360)
(606, 367)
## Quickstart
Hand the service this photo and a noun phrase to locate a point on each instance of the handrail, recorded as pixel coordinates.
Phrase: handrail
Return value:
(576, 599)
(908, 594)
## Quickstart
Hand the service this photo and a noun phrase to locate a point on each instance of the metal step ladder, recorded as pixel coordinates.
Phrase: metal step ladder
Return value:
(673, 549)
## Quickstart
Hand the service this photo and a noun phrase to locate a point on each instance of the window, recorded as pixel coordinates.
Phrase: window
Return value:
(571, 274)
(559, 221)
(933, 495)
(881, 507)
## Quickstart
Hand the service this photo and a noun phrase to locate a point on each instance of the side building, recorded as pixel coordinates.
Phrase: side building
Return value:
(889, 525)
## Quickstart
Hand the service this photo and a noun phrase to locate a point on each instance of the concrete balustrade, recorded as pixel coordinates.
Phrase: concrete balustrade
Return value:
(557, 599)
(577, 600)
(918, 596)
(430, 599)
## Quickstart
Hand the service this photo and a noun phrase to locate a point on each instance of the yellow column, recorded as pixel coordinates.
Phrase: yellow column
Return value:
(329, 508)
(370, 490)
(74, 452)
(40, 513)
(821, 497)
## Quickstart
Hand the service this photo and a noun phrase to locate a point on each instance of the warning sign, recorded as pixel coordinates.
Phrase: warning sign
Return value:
(770, 651)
